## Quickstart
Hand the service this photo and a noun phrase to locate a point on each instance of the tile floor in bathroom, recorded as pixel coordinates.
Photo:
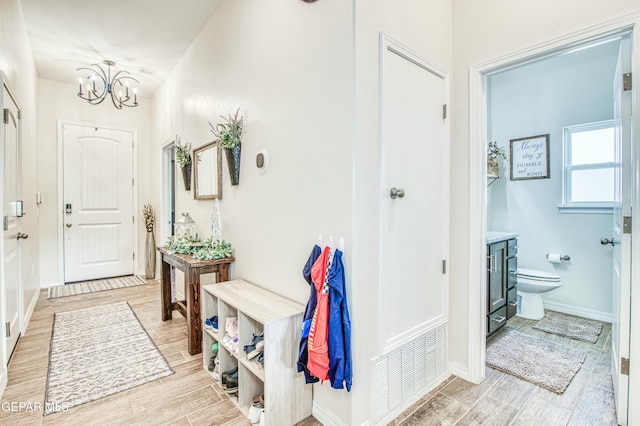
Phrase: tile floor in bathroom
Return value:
(502, 399)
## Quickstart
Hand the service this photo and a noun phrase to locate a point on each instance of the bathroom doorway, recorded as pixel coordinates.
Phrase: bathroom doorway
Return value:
(519, 118)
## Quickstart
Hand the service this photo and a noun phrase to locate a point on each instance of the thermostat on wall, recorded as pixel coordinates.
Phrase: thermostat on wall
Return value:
(262, 160)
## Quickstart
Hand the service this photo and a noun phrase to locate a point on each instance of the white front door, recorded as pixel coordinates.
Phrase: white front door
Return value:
(98, 203)
(623, 185)
(11, 222)
(414, 206)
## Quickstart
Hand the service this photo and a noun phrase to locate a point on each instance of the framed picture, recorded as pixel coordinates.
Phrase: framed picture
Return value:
(529, 157)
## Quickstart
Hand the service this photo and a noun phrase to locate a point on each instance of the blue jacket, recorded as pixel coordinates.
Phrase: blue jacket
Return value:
(340, 369)
(303, 354)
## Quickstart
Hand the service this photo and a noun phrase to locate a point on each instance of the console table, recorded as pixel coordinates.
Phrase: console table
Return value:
(189, 308)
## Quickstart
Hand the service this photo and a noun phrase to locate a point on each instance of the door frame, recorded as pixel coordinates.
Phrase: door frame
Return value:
(168, 154)
(478, 191)
(60, 188)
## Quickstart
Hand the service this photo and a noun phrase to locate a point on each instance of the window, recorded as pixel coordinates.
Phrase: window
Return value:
(589, 162)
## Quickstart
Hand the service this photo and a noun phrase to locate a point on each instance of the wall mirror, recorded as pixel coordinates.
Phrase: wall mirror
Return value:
(207, 171)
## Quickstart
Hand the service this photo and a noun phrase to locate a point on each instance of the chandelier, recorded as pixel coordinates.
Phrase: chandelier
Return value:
(101, 85)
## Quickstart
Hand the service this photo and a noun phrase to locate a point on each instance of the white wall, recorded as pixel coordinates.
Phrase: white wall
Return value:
(59, 101)
(426, 28)
(288, 66)
(543, 98)
(483, 31)
(16, 61)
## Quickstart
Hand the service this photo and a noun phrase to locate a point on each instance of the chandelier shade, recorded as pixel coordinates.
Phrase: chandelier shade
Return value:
(100, 86)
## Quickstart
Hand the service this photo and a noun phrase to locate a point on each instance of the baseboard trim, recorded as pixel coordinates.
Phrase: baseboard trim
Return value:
(577, 311)
(327, 418)
(3, 380)
(459, 370)
(30, 309)
(49, 284)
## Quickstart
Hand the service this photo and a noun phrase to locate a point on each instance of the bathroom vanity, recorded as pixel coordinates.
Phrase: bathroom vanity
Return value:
(502, 269)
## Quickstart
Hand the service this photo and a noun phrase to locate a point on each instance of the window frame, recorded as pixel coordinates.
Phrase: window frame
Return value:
(569, 206)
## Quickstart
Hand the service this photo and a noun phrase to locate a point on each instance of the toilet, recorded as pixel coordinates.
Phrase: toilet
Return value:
(531, 284)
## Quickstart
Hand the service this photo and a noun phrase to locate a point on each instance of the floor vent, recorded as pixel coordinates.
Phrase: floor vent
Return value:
(403, 373)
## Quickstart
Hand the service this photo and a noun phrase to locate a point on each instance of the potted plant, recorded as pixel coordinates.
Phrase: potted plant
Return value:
(150, 243)
(183, 157)
(494, 152)
(229, 133)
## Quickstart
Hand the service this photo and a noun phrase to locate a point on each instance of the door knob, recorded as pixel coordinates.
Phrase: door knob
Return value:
(396, 193)
(68, 225)
(21, 236)
(605, 241)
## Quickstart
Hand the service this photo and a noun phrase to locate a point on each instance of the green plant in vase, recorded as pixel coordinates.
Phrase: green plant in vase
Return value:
(229, 133)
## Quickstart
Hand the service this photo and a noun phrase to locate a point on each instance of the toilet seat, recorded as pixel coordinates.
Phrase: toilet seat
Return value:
(536, 275)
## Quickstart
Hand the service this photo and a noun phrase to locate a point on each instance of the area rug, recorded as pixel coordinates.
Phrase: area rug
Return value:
(543, 363)
(96, 352)
(94, 286)
(578, 328)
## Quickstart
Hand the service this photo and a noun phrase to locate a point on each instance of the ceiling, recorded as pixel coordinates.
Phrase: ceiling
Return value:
(144, 37)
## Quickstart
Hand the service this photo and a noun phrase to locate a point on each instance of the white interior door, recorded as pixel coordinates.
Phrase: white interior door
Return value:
(98, 203)
(414, 232)
(11, 222)
(622, 237)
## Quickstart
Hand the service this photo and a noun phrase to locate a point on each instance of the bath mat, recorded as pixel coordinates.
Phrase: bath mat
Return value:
(541, 362)
(96, 352)
(94, 286)
(578, 328)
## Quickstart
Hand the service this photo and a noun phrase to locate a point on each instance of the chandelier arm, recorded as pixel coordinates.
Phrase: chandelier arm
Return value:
(109, 85)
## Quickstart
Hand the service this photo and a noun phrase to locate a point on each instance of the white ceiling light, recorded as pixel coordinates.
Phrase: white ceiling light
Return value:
(100, 85)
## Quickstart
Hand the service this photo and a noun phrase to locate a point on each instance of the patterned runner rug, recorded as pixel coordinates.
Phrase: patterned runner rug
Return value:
(96, 352)
(541, 362)
(94, 286)
(578, 328)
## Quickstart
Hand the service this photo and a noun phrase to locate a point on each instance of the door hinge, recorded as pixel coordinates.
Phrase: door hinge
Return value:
(5, 116)
(5, 223)
(626, 224)
(7, 327)
(444, 266)
(133, 182)
(19, 114)
(134, 256)
(626, 82)
(133, 219)
(624, 366)
(444, 111)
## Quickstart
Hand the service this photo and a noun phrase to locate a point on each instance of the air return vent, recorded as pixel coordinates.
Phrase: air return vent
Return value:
(405, 372)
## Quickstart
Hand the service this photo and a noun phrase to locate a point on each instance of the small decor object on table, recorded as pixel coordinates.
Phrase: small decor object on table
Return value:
(183, 156)
(150, 243)
(229, 134)
(494, 152)
(185, 227)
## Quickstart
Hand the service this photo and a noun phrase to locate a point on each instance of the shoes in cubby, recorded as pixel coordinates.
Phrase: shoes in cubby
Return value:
(254, 413)
(212, 363)
(216, 370)
(256, 346)
(226, 374)
(231, 385)
(211, 323)
(231, 326)
(259, 399)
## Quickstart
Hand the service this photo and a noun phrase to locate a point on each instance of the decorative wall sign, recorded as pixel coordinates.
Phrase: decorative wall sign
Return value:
(529, 158)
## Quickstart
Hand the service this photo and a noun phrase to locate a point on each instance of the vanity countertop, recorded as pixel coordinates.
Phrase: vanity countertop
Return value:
(496, 237)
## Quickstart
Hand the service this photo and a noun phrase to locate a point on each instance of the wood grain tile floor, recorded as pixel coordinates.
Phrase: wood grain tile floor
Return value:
(189, 397)
(502, 399)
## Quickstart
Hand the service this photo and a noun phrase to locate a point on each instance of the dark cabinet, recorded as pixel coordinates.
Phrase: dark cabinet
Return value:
(502, 279)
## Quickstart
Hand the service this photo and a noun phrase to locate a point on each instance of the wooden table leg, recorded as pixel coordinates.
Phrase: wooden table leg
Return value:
(223, 273)
(194, 322)
(165, 293)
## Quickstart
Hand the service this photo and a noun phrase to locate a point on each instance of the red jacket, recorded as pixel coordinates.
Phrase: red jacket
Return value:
(318, 362)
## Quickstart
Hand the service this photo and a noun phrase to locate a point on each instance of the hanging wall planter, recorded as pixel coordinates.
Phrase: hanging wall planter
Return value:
(233, 162)
(183, 157)
(186, 176)
(229, 134)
